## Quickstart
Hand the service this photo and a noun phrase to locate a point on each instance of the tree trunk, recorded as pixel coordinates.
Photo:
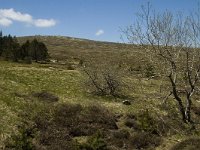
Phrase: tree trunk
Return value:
(188, 109)
(178, 99)
(181, 107)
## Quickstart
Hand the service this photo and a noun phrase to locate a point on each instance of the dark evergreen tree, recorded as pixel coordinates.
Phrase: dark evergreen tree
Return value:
(25, 50)
(38, 51)
(34, 50)
(7, 47)
(11, 50)
(15, 50)
(43, 51)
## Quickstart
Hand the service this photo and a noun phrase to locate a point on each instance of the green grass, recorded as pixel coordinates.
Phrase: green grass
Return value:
(66, 84)
(24, 79)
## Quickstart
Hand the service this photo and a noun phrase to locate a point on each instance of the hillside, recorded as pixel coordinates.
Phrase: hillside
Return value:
(72, 50)
(49, 106)
(65, 47)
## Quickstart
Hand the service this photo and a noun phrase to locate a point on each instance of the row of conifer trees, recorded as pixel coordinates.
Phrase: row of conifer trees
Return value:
(10, 49)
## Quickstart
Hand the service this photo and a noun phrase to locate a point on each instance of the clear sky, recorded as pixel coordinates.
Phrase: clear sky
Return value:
(91, 19)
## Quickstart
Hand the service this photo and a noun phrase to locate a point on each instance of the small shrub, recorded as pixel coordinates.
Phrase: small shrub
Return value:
(131, 116)
(131, 123)
(23, 140)
(102, 116)
(119, 137)
(121, 134)
(146, 123)
(145, 140)
(149, 70)
(188, 144)
(95, 142)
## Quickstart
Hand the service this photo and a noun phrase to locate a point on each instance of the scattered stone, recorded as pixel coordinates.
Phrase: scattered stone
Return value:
(126, 102)
(53, 61)
(51, 68)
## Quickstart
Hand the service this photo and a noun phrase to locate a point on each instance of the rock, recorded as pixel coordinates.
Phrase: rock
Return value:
(126, 102)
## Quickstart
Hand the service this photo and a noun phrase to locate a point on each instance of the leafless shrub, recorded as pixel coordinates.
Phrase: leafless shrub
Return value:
(104, 79)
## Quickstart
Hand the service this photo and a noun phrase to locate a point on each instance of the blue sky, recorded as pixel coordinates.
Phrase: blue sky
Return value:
(91, 19)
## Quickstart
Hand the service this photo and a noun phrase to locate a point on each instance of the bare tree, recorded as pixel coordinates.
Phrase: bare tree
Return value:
(103, 79)
(173, 40)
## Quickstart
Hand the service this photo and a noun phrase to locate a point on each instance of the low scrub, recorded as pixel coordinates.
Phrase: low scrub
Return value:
(188, 144)
(56, 126)
(145, 140)
(143, 122)
(22, 140)
(119, 138)
(94, 142)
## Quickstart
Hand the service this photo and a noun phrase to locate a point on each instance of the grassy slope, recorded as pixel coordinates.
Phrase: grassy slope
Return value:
(67, 84)
(65, 48)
